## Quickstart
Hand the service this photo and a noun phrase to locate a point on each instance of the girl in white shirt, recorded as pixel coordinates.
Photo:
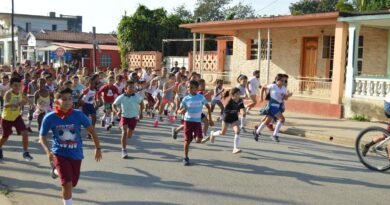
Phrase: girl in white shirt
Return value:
(216, 100)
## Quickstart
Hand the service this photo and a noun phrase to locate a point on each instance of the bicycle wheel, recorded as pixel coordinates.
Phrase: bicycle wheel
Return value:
(376, 157)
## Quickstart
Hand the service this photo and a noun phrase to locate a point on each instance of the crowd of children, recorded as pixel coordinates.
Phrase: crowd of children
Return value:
(63, 101)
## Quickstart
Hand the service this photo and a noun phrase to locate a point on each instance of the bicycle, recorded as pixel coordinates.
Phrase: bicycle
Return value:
(376, 156)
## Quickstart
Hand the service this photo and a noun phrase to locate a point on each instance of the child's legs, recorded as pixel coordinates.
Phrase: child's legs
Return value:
(40, 118)
(124, 136)
(188, 136)
(266, 120)
(212, 107)
(162, 106)
(180, 128)
(253, 102)
(7, 130)
(93, 118)
(279, 124)
(205, 122)
(220, 105)
(22, 129)
(67, 190)
(68, 173)
(236, 128)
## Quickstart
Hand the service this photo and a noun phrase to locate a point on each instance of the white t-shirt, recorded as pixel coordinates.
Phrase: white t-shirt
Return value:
(254, 84)
(3, 89)
(120, 87)
(216, 91)
(277, 93)
(387, 97)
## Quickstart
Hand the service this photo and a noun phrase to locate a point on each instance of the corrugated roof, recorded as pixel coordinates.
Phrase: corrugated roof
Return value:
(75, 37)
(87, 46)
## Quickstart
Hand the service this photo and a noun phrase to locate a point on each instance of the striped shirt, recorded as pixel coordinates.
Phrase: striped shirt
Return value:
(193, 105)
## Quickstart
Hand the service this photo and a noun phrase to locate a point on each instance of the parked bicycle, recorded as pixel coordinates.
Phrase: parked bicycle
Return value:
(372, 147)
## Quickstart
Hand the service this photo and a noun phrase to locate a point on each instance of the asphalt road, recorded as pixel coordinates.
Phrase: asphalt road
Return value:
(295, 171)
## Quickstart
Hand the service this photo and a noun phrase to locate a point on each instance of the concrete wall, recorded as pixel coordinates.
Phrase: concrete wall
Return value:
(38, 24)
(286, 51)
(374, 50)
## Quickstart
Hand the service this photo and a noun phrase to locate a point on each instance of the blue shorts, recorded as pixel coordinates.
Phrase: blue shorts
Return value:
(214, 102)
(89, 109)
(387, 109)
(273, 110)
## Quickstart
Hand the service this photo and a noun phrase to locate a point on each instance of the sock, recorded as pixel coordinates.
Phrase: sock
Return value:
(242, 122)
(68, 202)
(236, 141)
(217, 133)
(261, 127)
(277, 128)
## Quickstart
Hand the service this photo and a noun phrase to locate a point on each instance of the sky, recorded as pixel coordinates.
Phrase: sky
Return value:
(105, 15)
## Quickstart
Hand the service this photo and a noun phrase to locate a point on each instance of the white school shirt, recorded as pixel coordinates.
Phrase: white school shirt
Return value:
(387, 98)
(254, 84)
(277, 93)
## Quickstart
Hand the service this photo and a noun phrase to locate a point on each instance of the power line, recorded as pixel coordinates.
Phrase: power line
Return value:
(268, 5)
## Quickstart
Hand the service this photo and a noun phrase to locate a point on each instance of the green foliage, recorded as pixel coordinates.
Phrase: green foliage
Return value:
(182, 12)
(218, 10)
(240, 11)
(145, 30)
(360, 118)
(362, 5)
(312, 6)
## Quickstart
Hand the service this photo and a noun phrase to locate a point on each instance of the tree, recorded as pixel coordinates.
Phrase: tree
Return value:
(363, 5)
(182, 12)
(240, 11)
(211, 10)
(145, 29)
(312, 6)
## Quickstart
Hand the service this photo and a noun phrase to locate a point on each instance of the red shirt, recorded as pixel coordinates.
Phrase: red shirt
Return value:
(109, 92)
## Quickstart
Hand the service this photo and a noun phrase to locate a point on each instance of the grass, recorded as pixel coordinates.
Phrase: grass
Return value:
(4, 189)
(360, 118)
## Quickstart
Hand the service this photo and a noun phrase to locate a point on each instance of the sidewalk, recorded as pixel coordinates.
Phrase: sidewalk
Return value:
(330, 130)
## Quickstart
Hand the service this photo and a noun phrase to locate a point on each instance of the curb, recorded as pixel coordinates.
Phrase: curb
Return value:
(329, 139)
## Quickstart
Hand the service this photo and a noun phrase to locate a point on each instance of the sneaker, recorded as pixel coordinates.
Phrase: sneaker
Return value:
(174, 133)
(1, 154)
(275, 138)
(103, 122)
(212, 137)
(271, 127)
(27, 156)
(255, 135)
(186, 161)
(124, 154)
(365, 149)
(205, 140)
(243, 129)
(54, 173)
(161, 119)
(236, 151)
(29, 130)
(155, 124)
(108, 127)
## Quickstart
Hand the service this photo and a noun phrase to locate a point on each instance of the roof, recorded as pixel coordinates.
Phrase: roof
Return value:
(74, 37)
(87, 46)
(231, 27)
(64, 17)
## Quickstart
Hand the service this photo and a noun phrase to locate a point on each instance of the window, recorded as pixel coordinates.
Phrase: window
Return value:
(328, 52)
(105, 60)
(54, 27)
(229, 48)
(263, 49)
(28, 27)
(360, 56)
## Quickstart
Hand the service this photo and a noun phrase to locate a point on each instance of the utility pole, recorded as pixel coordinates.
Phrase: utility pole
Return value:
(13, 40)
(94, 48)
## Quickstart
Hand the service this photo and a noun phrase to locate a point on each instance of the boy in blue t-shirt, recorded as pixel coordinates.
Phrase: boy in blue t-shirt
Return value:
(66, 151)
(131, 106)
(191, 106)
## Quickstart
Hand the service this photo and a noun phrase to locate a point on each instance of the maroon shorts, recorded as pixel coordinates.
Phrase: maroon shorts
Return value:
(130, 122)
(150, 99)
(68, 169)
(191, 130)
(18, 123)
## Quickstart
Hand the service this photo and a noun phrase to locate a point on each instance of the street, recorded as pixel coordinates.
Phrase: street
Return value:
(295, 171)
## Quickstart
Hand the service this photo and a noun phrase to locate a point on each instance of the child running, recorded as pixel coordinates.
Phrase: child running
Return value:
(42, 98)
(216, 100)
(192, 106)
(231, 111)
(278, 93)
(87, 100)
(253, 88)
(167, 99)
(242, 83)
(11, 117)
(109, 92)
(131, 106)
(66, 152)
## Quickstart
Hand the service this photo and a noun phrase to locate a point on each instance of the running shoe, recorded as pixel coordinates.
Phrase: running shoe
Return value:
(212, 137)
(236, 151)
(271, 127)
(124, 154)
(365, 149)
(155, 124)
(255, 135)
(174, 133)
(186, 161)
(205, 140)
(27, 156)
(275, 138)
(1, 154)
(54, 173)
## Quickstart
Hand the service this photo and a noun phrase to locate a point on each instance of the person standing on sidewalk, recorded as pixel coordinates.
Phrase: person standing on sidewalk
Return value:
(66, 152)
(278, 93)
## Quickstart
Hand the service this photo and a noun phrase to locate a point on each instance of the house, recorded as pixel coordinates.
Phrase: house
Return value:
(25, 23)
(338, 63)
(79, 46)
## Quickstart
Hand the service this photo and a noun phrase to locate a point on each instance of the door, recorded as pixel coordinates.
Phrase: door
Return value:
(309, 59)
(309, 64)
